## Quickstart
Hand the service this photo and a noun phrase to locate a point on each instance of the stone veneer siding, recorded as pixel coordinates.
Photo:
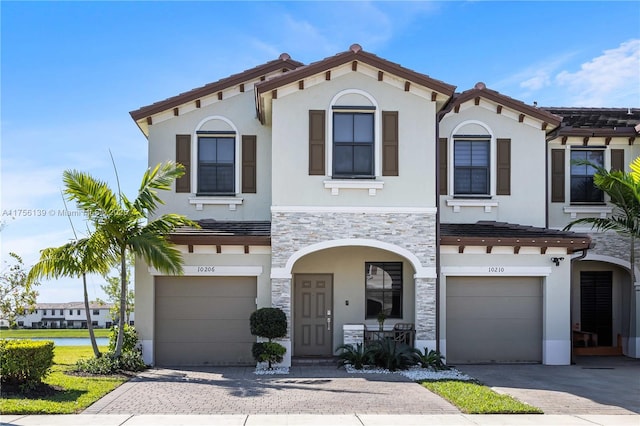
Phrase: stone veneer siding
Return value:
(615, 245)
(415, 232)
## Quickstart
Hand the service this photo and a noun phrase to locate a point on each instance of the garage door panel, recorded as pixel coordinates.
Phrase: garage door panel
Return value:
(204, 320)
(190, 354)
(201, 307)
(493, 307)
(494, 319)
(215, 331)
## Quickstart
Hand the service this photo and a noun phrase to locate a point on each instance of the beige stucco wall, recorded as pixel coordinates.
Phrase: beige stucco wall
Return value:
(526, 204)
(292, 184)
(144, 285)
(346, 264)
(238, 110)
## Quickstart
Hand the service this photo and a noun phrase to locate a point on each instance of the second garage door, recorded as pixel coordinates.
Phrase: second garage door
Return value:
(494, 319)
(204, 320)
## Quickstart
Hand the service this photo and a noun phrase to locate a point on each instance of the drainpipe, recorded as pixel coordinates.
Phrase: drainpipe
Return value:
(445, 109)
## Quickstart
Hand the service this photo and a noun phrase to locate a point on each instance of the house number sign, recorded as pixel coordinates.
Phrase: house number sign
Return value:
(496, 269)
(206, 269)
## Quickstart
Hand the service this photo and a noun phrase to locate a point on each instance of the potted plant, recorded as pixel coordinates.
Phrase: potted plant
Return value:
(270, 323)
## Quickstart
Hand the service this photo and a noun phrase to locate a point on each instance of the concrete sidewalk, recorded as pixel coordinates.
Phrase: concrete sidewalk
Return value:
(318, 420)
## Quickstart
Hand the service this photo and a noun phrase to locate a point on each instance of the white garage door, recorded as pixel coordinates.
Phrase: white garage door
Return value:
(204, 320)
(494, 319)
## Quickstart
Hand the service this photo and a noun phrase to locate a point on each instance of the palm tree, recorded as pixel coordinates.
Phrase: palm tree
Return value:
(75, 259)
(624, 192)
(122, 224)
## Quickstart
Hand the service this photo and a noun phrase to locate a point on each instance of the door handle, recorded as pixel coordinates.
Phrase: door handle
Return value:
(329, 319)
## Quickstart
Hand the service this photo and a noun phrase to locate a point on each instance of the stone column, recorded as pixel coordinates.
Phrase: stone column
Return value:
(425, 313)
(281, 298)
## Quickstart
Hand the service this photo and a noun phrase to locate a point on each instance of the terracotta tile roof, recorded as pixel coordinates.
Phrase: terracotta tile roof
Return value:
(213, 232)
(355, 53)
(489, 233)
(480, 90)
(597, 121)
(283, 62)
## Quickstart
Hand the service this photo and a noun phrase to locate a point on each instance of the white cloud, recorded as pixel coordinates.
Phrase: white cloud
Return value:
(611, 79)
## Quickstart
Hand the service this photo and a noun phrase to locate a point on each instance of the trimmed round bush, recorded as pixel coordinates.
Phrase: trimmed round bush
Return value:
(268, 322)
(25, 362)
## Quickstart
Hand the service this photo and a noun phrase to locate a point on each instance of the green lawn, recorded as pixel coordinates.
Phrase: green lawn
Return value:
(473, 398)
(74, 393)
(56, 332)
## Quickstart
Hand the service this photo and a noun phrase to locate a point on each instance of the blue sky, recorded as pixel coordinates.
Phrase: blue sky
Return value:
(71, 72)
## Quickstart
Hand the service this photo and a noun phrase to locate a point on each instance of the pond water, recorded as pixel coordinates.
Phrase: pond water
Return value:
(74, 341)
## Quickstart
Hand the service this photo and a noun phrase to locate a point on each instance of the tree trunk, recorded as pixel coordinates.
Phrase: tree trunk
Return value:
(92, 336)
(123, 301)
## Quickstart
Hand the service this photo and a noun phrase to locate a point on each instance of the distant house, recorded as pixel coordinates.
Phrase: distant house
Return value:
(352, 185)
(66, 315)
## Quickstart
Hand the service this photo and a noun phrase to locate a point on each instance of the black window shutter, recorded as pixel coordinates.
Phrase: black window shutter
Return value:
(503, 172)
(617, 159)
(316, 142)
(183, 156)
(249, 164)
(444, 163)
(390, 143)
(557, 176)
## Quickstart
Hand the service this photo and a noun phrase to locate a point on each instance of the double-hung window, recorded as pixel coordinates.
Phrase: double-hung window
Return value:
(471, 161)
(216, 164)
(383, 288)
(353, 144)
(582, 188)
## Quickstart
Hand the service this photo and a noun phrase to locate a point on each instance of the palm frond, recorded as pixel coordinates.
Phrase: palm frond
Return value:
(91, 195)
(158, 252)
(635, 170)
(159, 178)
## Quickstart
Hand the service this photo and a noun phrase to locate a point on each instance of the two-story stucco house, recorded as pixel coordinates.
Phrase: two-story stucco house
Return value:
(353, 185)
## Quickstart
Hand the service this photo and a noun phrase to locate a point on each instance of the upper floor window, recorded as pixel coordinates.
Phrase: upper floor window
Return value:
(471, 167)
(582, 188)
(353, 145)
(216, 164)
(96, 312)
(383, 289)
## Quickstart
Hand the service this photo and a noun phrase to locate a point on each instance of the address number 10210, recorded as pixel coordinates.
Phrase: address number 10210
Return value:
(496, 269)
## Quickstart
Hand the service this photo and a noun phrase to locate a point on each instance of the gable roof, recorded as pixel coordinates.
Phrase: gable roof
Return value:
(480, 90)
(490, 233)
(355, 53)
(284, 63)
(604, 122)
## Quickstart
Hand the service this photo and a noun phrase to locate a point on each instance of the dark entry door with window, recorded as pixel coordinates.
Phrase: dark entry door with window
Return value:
(595, 305)
(313, 316)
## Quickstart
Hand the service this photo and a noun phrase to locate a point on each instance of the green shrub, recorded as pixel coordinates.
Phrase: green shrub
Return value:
(270, 352)
(102, 365)
(25, 362)
(357, 356)
(392, 355)
(268, 322)
(432, 359)
(106, 364)
(130, 341)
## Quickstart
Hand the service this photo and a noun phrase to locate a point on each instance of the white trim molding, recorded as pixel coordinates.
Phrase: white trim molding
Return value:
(353, 209)
(215, 271)
(497, 270)
(602, 211)
(457, 203)
(232, 202)
(336, 185)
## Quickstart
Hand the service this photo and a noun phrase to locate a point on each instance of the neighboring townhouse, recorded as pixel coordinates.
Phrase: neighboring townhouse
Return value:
(350, 186)
(66, 315)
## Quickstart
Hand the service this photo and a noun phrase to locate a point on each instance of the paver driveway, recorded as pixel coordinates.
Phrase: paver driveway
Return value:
(236, 390)
(594, 385)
